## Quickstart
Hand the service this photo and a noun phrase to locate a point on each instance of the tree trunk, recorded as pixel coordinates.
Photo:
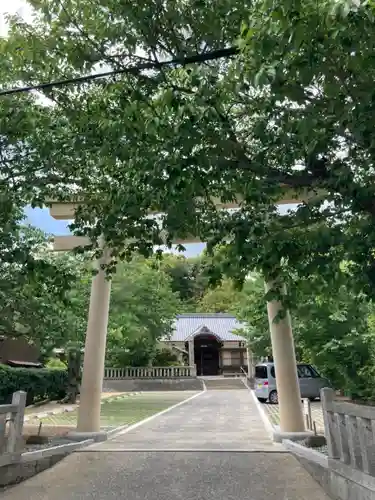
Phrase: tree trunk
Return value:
(74, 376)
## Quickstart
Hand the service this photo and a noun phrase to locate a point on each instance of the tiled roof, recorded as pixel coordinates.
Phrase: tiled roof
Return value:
(220, 324)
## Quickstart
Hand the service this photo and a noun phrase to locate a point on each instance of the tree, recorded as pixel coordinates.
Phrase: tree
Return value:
(187, 277)
(284, 113)
(142, 311)
(224, 298)
(34, 287)
(331, 330)
(43, 296)
(253, 312)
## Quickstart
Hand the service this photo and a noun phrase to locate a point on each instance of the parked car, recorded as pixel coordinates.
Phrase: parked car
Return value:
(310, 382)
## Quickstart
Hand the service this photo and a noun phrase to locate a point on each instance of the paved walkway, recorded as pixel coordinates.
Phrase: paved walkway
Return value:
(214, 420)
(212, 447)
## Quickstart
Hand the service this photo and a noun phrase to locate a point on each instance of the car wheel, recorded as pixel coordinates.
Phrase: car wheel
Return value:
(274, 398)
(312, 399)
(262, 400)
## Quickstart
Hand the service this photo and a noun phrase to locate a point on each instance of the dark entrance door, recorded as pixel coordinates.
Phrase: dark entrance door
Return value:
(206, 354)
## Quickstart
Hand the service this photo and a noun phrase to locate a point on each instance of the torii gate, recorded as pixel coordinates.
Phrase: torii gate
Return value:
(291, 416)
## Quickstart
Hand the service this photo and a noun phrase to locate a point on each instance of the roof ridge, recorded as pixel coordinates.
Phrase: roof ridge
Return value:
(223, 325)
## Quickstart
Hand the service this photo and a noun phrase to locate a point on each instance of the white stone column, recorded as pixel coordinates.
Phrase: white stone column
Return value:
(95, 346)
(250, 364)
(191, 357)
(290, 407)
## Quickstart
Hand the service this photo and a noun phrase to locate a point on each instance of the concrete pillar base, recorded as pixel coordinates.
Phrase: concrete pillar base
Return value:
(82, 436)
(279, 436)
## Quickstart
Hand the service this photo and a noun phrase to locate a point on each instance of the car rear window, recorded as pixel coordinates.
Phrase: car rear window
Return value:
(261, 372)
(304, 371)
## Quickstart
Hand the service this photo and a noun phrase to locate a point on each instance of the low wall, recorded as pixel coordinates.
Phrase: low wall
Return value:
(145, 385)
(340, 481)
(350, 484)
(314, 462)
(33, 462)
(15, 473)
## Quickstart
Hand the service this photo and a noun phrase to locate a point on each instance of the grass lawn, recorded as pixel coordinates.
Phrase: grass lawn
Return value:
(126, 409)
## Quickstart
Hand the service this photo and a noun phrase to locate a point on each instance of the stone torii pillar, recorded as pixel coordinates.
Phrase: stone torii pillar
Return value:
(95, 347)
(88, 424)
(292, 422)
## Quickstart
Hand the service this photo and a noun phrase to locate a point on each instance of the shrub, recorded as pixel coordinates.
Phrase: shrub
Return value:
(56, 364)
(38, 383)
(165, 357)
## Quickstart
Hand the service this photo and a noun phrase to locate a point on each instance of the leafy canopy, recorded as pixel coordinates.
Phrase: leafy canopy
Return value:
(286, 113)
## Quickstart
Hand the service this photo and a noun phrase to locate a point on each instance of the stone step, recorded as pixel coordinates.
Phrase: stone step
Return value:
(145, 385)
(223, 384)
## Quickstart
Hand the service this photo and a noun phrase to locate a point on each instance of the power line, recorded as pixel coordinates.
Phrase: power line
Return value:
(179, 61)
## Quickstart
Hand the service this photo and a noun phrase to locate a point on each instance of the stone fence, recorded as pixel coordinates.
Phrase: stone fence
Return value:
(154, 372)
(350, 434)
(11, 426)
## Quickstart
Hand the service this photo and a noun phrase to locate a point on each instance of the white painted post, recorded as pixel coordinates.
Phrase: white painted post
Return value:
(289, 395)
(94, 357)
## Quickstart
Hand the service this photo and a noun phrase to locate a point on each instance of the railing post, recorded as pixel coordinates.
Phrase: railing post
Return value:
(354, 446)
(327, 397)
(367, 442)
(3, 424)
(308, 415)
(16, 427)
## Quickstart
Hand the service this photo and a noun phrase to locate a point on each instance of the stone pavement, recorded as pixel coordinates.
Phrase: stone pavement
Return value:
(214, 420)
(212, 447)
(316, 413)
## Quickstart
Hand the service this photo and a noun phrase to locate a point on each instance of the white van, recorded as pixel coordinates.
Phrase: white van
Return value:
(310, 382)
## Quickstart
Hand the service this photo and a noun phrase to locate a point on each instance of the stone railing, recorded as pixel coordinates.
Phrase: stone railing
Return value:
(11, 426)
(149, 372)
(350, 434)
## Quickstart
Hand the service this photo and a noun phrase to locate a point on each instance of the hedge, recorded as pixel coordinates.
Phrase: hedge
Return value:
(38, 383)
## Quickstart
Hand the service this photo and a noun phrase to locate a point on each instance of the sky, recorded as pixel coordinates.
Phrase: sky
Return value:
(40, 217)
(11, 6)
